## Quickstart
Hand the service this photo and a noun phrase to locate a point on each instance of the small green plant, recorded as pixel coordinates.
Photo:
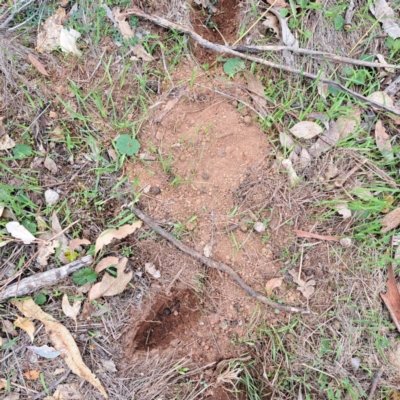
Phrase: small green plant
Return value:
(22, 151)
(233, 66)
(84, 276)
(127, 145)
(40, 299)
(181, 370)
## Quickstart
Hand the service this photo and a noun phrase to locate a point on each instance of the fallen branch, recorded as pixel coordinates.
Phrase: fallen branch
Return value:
(43, 279)
(323, 54)
(219, 48)
(210, 263)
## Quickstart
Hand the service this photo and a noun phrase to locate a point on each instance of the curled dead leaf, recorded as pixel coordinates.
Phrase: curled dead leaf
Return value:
(71, 311)
(272, 284)
(348, 123)
(38, 65)
(383, 141)
(390, 221)
(26, 325)
(106, 262)
(107, 236)
(392, 298)
(110, 286)
(74, 243)
(31, 375)
(305, 130)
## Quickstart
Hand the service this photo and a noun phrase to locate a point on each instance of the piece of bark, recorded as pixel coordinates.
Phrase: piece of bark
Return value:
(43, 279)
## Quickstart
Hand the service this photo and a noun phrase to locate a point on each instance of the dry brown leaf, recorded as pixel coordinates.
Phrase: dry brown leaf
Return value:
(383, 141)
(56, 228)
(272, 22)
(6, 143)
(392, 298)
(322, 87)
(71, 311)
(107, 236)
(9, 327)
(105, 263)
(67, 392)
(110, 286)
(256, 89)
(387, 17)
(38, 65)
(307, 288)
(62, 341)
(127, 32)
(287, 37)
(381, 98)
(45, 250)
(109, 365)
(139, 51)
(305, 158)
(349, 122)
(26, 325)
(304, 234)
(48, 38)
(286, 140)
(305, 130)
(328, 139)
(51, 165)
(391, 221)
(31, 375)
(272, 284)
(74, 243)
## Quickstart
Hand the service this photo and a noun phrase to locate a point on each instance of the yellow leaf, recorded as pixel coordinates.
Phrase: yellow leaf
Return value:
(71, 311)
(107, 236)
(110, 286)
(62, 341)
(26, 325)
(31, 375)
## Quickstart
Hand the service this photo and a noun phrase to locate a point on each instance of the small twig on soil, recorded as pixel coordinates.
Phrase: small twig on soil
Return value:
(51, 387)
(24, 4)
(219, 48)
(349, 15)
(40, 280)
(210, 263)
(375, 383)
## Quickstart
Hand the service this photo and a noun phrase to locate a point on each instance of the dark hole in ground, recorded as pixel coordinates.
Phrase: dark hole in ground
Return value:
(168, 319)
(222, 24)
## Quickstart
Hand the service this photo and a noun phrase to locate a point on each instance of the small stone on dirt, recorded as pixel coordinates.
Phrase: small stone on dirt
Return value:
(51, 197)
(191, 225)
(235, 103)
(259, 227)
(151, 270)
(155, 190)
(345, 242)
(247, 120)
(205, 176)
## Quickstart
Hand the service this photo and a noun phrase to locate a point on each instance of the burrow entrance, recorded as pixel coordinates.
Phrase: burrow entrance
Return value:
(169, 320)
(217, 23)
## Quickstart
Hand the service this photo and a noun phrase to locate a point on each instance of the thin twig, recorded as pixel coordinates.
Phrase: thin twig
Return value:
(15, 13)
(210, 263)
(219, 48)
(51, 387)
(375, 383)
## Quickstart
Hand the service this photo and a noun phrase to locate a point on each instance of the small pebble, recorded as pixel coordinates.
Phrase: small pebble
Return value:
(205, 176)
(247, 120)
(155, 190)
(51, 197)
(235, 103)
(345, 242)
(259, 227)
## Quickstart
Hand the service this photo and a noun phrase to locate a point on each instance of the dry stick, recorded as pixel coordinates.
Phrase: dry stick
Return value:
(375, 383)
(219, 48)
(210, 263)
(40, 280)
(329, 56)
